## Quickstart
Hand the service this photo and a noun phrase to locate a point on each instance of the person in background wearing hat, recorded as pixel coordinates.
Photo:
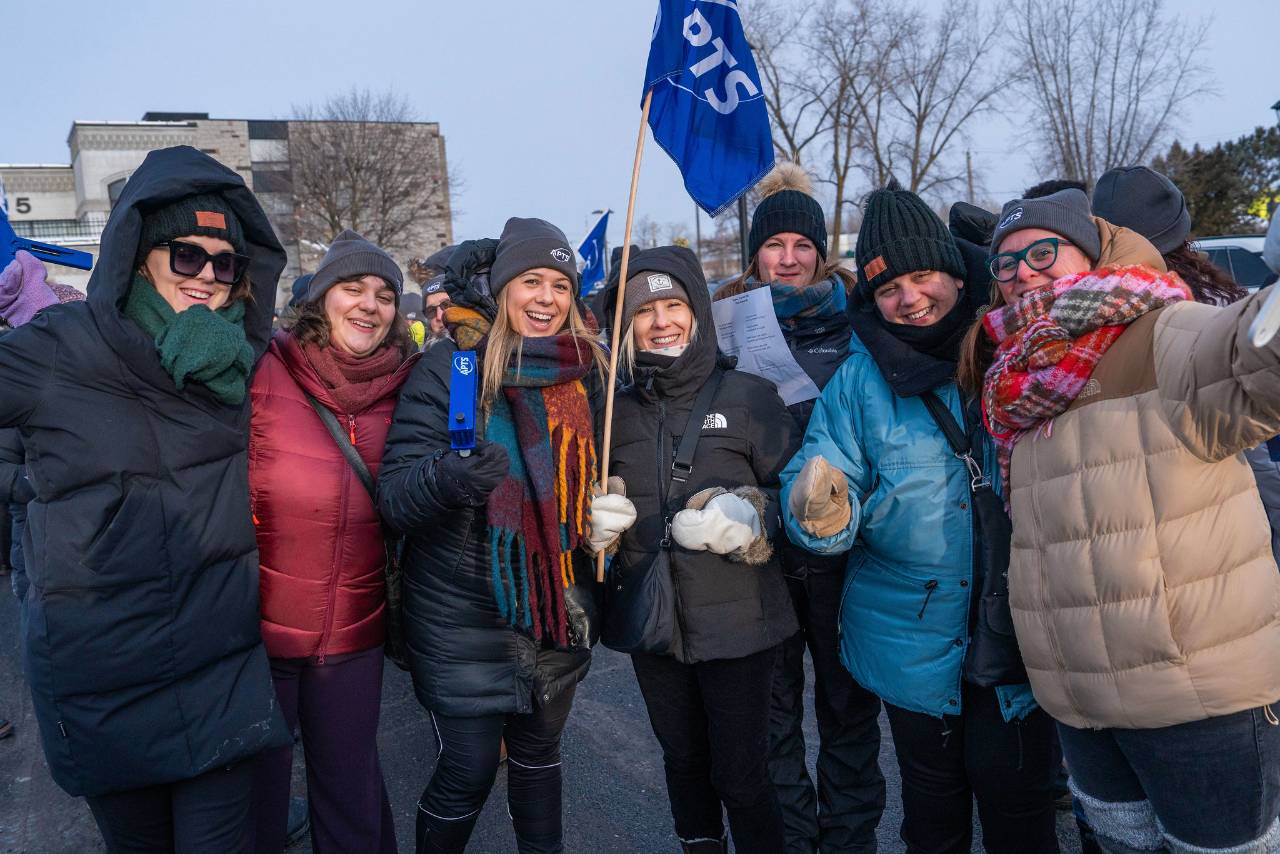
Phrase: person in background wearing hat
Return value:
(1142, 585)
(435, 302)
(297, 295)
(877, 483)
(708, 700)
(149, 679)
(788, 244)
(498, 630)
(320, 542)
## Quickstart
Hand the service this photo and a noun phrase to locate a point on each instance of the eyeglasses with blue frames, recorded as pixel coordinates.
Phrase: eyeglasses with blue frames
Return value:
(1039, 255)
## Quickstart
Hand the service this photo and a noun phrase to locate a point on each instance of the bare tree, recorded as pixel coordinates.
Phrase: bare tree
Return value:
(794, 91)
(358, 161)
(942, 79)
(1105, 79)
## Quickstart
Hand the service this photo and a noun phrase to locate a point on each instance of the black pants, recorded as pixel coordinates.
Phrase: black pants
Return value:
(208, 814)
(850, 792)
(946, 763)
(712, 721)
(468, 763)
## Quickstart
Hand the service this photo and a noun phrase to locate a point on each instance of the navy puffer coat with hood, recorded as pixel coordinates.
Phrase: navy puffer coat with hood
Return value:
(142, 646)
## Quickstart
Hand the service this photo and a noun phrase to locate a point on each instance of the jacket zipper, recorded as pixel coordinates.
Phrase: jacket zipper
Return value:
(929, 586)
(337, 546)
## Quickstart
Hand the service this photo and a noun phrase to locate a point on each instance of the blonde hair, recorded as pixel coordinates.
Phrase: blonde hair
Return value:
(505, 341)
(627, 347)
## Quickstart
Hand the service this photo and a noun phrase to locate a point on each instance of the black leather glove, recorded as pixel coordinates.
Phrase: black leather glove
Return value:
(467, 481)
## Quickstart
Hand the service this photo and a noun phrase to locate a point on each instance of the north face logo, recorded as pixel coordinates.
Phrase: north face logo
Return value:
(1013, 217)
(561, 255)
(659, 282)
(1091, 388)
(715, 421)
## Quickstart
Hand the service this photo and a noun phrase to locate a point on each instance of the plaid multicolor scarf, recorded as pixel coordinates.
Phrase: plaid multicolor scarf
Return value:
(1050, 341)
(801, 307)
(538, 514)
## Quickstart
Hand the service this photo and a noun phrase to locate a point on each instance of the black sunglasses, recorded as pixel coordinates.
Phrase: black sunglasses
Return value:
(188, 259)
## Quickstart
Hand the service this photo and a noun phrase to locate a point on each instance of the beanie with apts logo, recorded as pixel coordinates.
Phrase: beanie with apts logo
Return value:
(527, 244)
(1065, 212)
(646, 287)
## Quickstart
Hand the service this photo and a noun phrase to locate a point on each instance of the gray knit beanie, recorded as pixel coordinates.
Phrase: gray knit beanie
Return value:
(1065, 212)
(350, 256)
(1144, 201)
(527, 244)
(646, 287)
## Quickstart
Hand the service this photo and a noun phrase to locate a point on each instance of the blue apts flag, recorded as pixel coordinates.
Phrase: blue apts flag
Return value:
(592, 252)
(708, 111)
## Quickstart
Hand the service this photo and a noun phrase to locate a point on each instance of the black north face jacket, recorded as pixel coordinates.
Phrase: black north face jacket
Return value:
(141, 621)
(726, 609)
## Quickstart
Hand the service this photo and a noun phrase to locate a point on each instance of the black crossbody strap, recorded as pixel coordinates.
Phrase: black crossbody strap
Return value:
(957, 438)
(682, 465)
(344, 445)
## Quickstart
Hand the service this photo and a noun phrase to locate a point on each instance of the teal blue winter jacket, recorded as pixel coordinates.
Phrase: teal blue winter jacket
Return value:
(904, 615)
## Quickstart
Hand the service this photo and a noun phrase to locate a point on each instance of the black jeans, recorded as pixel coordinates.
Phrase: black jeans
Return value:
(843, 816)
(946, 763)
(208, 814)
(712, 721)
(1211, 784)
(468, 763)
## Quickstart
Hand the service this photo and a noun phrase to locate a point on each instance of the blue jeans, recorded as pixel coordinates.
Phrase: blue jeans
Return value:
(1206, 785)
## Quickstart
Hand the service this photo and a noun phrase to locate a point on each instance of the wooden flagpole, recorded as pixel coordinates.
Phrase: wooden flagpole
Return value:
(615, 332)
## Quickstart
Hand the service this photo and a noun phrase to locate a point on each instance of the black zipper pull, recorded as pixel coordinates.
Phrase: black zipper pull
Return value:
(929, 586)
(666, 533)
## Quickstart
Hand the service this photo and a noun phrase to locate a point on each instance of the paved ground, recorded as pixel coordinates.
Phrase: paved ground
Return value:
(615, 799)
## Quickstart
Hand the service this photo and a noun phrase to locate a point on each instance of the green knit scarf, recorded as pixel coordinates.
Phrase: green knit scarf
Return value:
(197, 345)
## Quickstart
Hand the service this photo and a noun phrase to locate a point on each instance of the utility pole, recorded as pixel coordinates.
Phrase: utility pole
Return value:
(697, 230)
(742, 228)
(968, 170)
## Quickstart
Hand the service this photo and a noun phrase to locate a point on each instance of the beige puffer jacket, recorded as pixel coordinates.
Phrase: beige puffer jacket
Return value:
(1142, 584)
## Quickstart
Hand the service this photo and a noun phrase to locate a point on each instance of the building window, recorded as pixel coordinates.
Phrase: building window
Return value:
(113, 191)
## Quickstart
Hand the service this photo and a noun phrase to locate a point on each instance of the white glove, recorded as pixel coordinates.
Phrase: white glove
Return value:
(610, 515)
(726, 524)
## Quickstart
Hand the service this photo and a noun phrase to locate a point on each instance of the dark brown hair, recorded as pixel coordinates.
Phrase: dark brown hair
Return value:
(312, 327)
(1208, 282)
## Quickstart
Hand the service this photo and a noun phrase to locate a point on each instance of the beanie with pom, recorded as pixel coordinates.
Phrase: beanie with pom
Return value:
(901, 234)
(787, 205)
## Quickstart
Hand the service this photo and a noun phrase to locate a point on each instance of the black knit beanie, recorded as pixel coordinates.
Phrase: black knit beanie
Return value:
(350, 256)
(901, 234)
(206, 215)
(527, 244)
(787, 207)
(1145, 201)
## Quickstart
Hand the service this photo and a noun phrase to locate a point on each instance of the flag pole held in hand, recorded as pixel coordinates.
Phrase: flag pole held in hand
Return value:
(615, 330)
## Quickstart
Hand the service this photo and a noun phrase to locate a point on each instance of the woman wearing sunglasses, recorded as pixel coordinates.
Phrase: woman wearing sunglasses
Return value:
(321, 546)
(1142, 584)
(148, 674)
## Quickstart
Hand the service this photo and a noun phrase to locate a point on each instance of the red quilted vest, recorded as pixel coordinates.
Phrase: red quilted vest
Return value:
(320, 544)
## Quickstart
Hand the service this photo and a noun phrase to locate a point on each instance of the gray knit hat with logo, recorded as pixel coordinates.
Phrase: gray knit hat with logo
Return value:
(1065, 212)
(527, 244)
(646, 287)
(350, 256)
(1145, 201)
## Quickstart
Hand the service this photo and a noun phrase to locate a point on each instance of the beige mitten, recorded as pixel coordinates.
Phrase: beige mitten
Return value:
(819, 498)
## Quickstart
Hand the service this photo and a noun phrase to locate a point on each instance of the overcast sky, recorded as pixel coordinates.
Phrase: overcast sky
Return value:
(538, 101)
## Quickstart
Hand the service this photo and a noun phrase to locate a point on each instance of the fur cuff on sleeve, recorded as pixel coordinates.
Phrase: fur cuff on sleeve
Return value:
(760, 550)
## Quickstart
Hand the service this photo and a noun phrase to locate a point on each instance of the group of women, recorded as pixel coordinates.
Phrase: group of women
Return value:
(1016, 517)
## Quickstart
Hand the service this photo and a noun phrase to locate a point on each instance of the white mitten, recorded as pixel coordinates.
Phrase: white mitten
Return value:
(611, 514)
(726, 524)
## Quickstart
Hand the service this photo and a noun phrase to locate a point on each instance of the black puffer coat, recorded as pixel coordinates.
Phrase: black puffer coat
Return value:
(142, 647)
(726, 609)
(465, 659)
(15, 492)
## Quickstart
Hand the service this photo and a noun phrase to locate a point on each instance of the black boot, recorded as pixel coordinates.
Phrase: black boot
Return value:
(707, 846)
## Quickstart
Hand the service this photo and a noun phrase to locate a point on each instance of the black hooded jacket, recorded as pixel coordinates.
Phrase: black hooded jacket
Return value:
(465, 659)
(141, 646)
(725, 609)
